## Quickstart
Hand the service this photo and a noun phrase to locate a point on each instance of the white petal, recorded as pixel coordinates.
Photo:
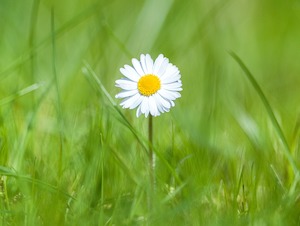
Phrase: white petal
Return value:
(126, 102)
(130, 102)
(126, 94)
(160, 107)
(166, 109)
(163, 67)
(172, 74)
(145, 106)
(143, 63)
(170, 79)
(125, 81)
(138, 111)
(174, 89)
(169, 95)
(149, 64)
(137, 101)
(160, 99)
(152, 106)
(176, 86)
(162, 104)
(130, 73)
(136, 64)
(126, 84)
(172, 85)
(172, 103)
(157, 63)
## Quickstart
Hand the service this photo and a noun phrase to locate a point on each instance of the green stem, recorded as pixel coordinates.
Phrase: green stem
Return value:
(151, 163)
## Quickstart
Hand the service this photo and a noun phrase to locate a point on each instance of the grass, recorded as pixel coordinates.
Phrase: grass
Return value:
(227, 153)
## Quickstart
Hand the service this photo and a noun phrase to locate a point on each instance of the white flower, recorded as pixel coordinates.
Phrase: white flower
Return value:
(149, 86)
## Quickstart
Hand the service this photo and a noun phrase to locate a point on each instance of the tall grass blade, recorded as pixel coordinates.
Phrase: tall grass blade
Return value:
(4, 171)
(58, 96)
(286, 150)
(20, 93)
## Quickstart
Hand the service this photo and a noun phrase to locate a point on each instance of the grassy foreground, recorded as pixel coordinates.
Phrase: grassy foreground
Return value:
(227, 153)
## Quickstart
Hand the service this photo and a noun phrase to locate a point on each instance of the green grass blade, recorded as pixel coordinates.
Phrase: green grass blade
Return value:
(60, 121)
(271, 115)
(88, 71)
(122, 163)
(11, 173)
(20, 93)
(91, 75)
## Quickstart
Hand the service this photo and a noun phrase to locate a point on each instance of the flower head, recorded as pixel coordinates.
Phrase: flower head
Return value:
(149, 86)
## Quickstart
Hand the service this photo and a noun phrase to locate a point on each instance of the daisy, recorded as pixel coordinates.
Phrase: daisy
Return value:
(149, 86)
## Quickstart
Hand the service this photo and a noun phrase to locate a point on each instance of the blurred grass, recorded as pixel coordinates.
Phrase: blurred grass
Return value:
(219, 140)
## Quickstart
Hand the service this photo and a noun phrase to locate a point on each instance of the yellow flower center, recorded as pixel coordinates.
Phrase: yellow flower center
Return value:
(148, 85)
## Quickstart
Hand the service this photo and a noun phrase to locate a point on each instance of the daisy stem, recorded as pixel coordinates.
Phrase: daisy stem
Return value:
(151, 163)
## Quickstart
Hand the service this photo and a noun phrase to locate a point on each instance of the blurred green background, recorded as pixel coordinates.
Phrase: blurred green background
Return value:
(68, 157)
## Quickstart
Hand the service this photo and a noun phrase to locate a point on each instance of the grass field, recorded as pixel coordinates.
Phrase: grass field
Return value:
(227, 153)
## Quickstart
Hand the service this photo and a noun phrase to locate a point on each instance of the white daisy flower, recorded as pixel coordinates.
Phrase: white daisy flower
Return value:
(149, 86)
